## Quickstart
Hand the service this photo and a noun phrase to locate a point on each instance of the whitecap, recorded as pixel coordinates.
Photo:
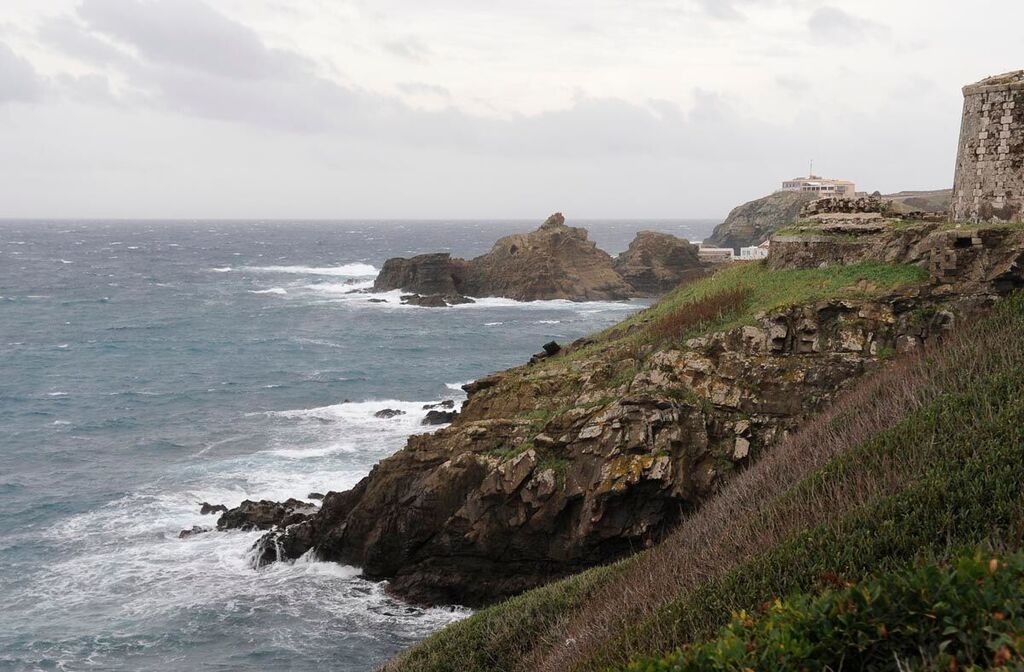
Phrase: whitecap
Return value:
(493, 324)
(65, 261)
(549, 321)
(56, 394)
(354, 270)
(225, 269)
(273, 290)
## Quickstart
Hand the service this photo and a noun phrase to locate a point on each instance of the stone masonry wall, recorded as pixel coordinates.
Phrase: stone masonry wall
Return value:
(989, 182)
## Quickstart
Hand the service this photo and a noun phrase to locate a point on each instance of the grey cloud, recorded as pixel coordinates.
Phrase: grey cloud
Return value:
(792, 83)
(191, 35)
(411, 49)
(19, 81)
(831, 24)
(422, 89)
(66, 34)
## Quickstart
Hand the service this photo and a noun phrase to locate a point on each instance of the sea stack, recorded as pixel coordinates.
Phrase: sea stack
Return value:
(989, 182)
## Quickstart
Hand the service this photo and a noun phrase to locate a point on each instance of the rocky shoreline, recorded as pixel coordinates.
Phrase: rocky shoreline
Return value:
(595, 450)
(554, 262)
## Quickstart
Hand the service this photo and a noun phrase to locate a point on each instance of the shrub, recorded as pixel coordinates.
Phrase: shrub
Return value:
(697, 316)
(932, 617)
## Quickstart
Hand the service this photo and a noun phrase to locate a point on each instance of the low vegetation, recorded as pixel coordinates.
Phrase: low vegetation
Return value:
(970, 613)
(922, 461)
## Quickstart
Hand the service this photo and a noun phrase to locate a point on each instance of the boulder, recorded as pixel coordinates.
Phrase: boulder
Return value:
(208, 508)
(439, 417)
(265, 514)
(447, 403)
(657, 262)
(388, 413)
(315, 495)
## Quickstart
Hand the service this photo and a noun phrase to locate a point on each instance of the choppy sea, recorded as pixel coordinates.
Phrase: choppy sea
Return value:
(146, 367)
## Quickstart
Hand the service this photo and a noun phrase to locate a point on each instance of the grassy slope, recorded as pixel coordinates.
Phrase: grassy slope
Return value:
(925, 458)
(967, 613)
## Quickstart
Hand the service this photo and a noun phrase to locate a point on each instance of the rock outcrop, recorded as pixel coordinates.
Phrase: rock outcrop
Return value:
(656, 262)
(511, 496)
(554, 262)
(428, 274)
(597, 449)
(752, 223)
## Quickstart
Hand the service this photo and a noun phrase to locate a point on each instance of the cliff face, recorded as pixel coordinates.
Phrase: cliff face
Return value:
(752, 223)
(554, 262)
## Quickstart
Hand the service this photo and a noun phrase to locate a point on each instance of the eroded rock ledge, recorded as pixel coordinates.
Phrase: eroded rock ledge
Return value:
(554, 262)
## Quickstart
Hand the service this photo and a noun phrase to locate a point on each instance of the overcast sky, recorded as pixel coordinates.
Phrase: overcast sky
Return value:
(473, 108)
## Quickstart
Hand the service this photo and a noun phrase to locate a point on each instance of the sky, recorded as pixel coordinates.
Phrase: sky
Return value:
(432, 109)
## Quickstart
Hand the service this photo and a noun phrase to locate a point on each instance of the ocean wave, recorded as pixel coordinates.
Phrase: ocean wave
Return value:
(354, 270)
(279, 291)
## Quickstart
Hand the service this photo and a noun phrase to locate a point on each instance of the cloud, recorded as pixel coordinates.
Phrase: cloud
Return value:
(190, 35)
(19, 81)
(834, 25)
(422, 89)
(410, 49)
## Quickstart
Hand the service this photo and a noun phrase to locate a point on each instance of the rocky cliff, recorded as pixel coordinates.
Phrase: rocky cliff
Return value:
(554, 262)
(598, 449)
(752, 222)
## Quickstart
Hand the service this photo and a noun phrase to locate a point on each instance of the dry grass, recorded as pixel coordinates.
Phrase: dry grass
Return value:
(697, 316)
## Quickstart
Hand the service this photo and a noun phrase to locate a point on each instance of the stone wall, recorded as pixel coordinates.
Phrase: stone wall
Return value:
(989, 182)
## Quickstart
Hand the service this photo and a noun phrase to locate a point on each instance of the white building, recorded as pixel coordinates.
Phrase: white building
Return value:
(821, 186)
(754, 252)
(715, 255)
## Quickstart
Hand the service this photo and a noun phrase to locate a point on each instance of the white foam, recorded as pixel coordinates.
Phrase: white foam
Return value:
(355, 270)
(225, 269)
(279, 291)
(549, 321)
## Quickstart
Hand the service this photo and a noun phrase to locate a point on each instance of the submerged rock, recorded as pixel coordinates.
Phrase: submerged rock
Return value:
(388, 413)
(196, 529)
(208, 508)
(315, 495)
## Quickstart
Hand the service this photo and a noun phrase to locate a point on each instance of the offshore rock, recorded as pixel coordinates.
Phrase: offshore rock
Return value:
(208, 508)
(554, 262)
(657, 262)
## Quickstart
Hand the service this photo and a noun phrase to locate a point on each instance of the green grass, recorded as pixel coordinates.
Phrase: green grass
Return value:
(769, 290)
(967, 613)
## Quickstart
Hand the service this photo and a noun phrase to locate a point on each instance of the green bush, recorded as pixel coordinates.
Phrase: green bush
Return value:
(930, 617)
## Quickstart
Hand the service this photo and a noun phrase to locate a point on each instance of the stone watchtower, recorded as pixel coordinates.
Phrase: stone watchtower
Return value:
(989, 182)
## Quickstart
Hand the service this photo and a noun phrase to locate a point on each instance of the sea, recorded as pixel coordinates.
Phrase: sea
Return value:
(149, 366)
